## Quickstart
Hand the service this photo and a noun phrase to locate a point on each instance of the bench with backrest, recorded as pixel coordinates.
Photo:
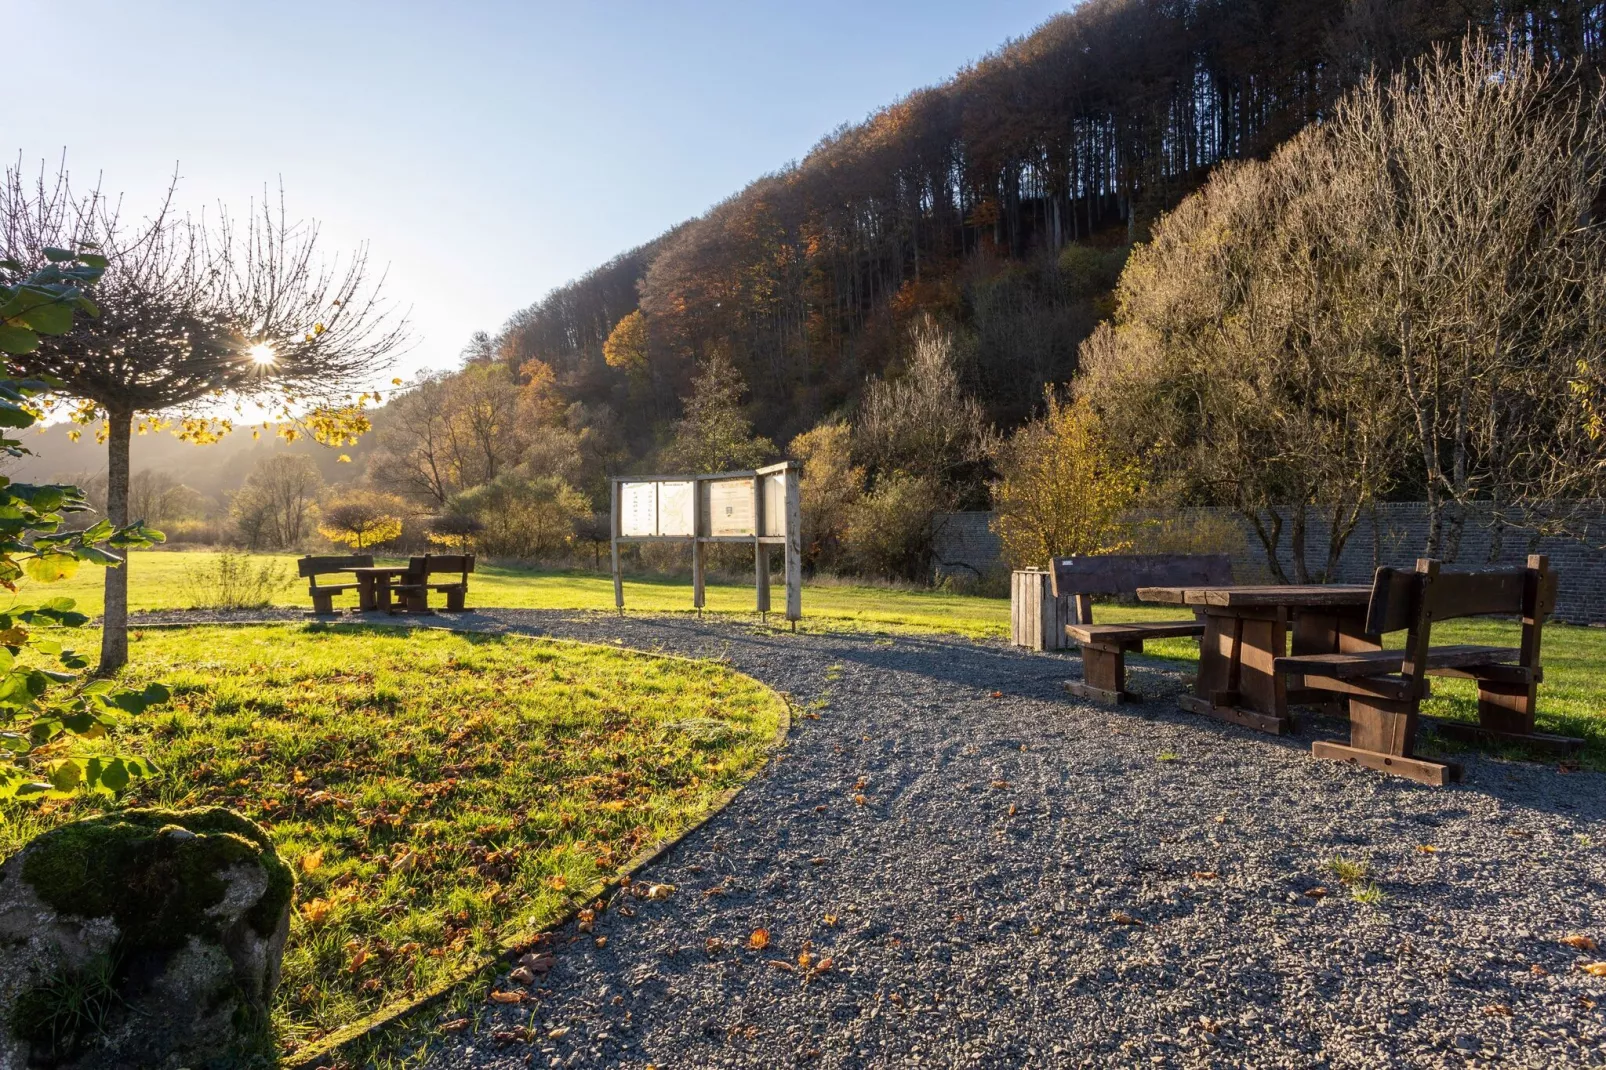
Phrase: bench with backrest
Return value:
(1384, 689)
(1105, 646)
(416, 585)
(323, 595)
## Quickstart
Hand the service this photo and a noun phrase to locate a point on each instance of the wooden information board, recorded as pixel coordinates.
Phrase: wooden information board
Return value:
(762, 508)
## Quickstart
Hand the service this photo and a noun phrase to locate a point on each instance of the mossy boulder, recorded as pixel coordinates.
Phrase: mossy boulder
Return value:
(141, 939)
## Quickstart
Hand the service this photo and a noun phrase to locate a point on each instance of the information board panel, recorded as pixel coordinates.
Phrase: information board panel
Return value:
(638, 509)
(677, 509)
(730, 507)
(775, 504)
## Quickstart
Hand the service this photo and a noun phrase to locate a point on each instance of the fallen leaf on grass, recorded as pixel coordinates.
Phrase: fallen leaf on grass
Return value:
(316, 910)
(1121, 917)
(514, 996)
(358, 958)
(1580, 941)
(558, 883)
(759, 940)
(311, 860)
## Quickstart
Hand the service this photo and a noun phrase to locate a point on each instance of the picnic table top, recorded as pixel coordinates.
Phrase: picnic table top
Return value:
(378, 570)
(1312, 595)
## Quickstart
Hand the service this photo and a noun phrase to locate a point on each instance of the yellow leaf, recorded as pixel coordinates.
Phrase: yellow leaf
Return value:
(311, 860)
(831, 919)
(660, 891)
(318, 328)
(395, 382)
(1597, 969)
(344, 458)
(508, 997)
(13, 636)
(759, 940)
(1579, 941)
(558, 883)
(316, 910)
(1427, 849)
(358, 959)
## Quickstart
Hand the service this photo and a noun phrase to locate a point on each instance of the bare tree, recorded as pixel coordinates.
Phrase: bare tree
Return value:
(192, 315)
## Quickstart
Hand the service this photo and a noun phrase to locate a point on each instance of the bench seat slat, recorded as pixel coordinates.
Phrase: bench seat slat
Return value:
(321, 587)
(1383, 662)
(1135, 632)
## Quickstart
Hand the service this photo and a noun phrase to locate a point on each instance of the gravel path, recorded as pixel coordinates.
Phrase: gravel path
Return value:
(1032, 881)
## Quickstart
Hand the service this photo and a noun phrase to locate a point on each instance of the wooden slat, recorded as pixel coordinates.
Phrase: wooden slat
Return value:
(1397, 688)
(1115, 574)
(1290, 595)
(1133, 633)
(1383, 662)
(1436, 774)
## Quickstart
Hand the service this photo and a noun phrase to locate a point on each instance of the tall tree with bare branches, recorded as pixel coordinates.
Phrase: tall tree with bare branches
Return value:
(194, 316)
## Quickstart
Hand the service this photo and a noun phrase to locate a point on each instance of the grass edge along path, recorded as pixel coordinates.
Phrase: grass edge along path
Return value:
(652, 702)
(509, 949)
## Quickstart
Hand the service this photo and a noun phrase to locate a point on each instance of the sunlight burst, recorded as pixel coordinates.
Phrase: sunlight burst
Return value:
(260, 354)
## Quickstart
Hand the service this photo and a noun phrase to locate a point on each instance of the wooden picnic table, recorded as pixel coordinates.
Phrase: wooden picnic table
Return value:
(374, 583)
(1247, 629)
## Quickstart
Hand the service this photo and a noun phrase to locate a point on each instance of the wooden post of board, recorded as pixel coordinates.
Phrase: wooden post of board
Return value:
(761, 553)
(794, 549)
(618, 581)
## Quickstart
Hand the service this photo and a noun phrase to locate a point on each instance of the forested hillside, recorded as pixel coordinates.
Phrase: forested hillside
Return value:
(1000, 203)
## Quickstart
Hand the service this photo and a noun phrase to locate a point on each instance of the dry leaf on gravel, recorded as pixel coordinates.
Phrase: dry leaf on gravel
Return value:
(759, 940)
(538, 964)
(585, 920)
(782, 964)
(1427, 849)
(860, 799)
(1497, 1010)
(602, 941)
(660, 891)
(1538, 970)
(1205, 874)
(514, 996)
(713, 945)
(1595, 969)
(1000, 785)
(1121, 917)
(454, 1025)
(1580, 941)
(1316, 893)
(830, 919)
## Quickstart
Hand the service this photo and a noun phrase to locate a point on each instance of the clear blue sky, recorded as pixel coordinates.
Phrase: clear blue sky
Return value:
(487, 151)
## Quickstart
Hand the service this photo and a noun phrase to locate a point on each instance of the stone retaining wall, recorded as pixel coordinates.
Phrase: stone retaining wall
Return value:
(966, 546)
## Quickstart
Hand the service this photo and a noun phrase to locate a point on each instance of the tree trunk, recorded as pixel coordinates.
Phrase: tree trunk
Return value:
(114, 622)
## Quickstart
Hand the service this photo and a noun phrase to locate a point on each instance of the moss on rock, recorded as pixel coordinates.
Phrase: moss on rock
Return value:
(156, 872)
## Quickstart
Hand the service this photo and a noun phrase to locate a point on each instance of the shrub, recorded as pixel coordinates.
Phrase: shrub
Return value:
(524, 517)
(234, 579)
(888, 532)
(829, 486)
(363, 519)
(1061, 491)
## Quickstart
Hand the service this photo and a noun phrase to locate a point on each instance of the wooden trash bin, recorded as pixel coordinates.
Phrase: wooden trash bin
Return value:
(1037, 619)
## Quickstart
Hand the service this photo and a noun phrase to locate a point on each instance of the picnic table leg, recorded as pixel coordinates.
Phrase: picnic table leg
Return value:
(1336, 630)
(382, 593)
(1236, 683)
(365, 594)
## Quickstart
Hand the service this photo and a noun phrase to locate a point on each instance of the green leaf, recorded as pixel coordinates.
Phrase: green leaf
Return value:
(66, 775)
(57, 256)
(51, 568)
(19, 340)
(52, 318)
(94, 260)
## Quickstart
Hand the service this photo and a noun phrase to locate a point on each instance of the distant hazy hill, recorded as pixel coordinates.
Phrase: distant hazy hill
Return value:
(211, 470)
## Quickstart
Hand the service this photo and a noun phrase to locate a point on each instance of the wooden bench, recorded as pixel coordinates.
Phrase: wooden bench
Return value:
(415, 588)
(1384, 689)
(323, 595)
(1105, 646)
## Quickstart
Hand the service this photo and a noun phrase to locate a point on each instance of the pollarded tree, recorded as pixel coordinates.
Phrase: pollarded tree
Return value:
(362, 519)
(193, 317)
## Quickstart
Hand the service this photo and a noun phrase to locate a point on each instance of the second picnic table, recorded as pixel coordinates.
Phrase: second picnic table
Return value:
(374, 583)
(1248, 627)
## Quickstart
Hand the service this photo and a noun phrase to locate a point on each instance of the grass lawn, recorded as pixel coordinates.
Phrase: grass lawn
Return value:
(434, 792)
(1572, 701)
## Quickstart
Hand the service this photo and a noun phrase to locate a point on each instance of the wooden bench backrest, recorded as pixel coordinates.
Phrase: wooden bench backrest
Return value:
(1123, 574)
(459, 563)
(1413, 599)
(432, 564)
(310, 567)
